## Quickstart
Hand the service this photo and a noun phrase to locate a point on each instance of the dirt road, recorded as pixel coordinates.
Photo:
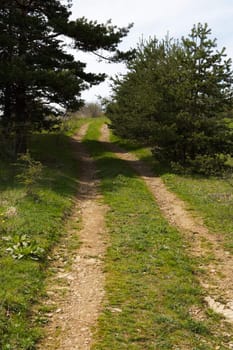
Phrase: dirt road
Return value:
(78, 293)
(217, 273)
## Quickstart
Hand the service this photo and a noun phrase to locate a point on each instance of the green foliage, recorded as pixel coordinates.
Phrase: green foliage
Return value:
(38, 77)
(173, 99)
(22, 247)
(214, 165)
(31, 173)
(28, 231)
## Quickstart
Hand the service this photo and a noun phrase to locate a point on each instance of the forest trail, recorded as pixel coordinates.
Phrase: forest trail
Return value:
(79, 302)
(216, 264)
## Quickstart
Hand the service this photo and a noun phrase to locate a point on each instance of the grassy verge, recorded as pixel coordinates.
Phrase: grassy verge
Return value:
(29, 228)
(70, 125)
(212, 198)
(209, 197)
(153, 299)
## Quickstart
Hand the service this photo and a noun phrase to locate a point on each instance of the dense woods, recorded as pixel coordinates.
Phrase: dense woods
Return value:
(38, 77)
(175, 98)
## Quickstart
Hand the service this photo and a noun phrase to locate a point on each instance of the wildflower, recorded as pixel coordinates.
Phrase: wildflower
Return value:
(11, 211)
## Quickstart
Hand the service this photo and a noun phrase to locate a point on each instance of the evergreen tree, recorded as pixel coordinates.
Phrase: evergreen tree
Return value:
(205, 87)
(138, 97)
(38, 77)
(175, 97)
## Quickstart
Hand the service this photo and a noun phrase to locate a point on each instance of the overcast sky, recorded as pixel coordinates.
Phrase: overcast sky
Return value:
(154, 18)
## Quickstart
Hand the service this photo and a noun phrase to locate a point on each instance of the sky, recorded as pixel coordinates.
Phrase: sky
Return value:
(152, 18)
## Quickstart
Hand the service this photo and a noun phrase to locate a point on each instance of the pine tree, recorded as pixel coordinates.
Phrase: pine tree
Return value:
(175, 98)
(38, 77)
(206, 94)
(137, 97)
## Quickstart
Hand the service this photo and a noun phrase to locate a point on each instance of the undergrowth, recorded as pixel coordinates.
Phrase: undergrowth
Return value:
(30, 225)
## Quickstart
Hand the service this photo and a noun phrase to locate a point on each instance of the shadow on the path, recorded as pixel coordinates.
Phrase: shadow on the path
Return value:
(103, 150)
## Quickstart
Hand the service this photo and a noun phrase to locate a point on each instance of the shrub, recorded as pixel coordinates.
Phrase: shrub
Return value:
(31, 171)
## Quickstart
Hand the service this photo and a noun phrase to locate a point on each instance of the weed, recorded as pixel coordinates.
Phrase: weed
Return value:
(31, 173)
(22, 247)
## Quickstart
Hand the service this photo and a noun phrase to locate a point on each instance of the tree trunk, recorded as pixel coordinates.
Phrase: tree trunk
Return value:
(21, 127)
(21, 142)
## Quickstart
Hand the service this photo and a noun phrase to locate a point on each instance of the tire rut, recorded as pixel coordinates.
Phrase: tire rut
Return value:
(78, 292)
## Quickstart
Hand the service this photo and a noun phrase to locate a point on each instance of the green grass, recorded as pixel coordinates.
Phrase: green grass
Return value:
(151, 284)
(150, 281)
(210, 197)
(41, 219)
(71, 125)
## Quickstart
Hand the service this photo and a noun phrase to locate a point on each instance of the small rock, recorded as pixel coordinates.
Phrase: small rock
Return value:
(84, 329)
(115, 309)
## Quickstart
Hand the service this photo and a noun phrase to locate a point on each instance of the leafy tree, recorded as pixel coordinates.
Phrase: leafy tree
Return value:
(175, 98)
(38, 77)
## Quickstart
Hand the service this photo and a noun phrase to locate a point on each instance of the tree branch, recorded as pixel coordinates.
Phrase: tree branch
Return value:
(102, 57)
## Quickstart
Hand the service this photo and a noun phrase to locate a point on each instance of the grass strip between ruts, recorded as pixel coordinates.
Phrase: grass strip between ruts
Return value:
(153, 299)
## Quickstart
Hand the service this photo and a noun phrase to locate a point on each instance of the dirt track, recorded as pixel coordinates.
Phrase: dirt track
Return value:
(217, 273)
(77, 310)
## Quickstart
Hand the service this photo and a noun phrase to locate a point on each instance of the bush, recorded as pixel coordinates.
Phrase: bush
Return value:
(204, 165)
(209, 165)
(30, 174)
